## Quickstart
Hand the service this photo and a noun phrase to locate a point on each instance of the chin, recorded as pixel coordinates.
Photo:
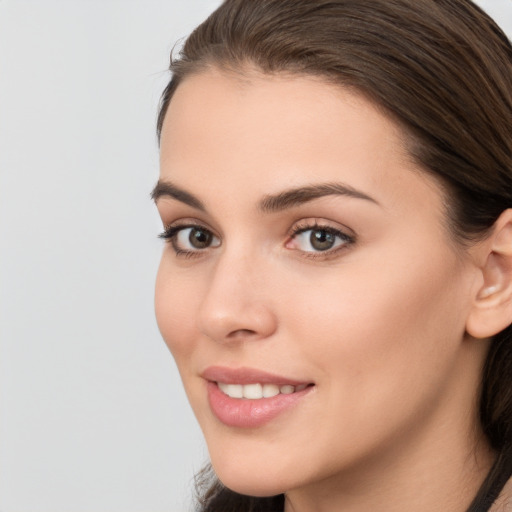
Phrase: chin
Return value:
(250, 486)
(250, 481)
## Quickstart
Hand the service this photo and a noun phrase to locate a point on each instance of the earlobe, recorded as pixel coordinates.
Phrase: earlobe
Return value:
(491, 311)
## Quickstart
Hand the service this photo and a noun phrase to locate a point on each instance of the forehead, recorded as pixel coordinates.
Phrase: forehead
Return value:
(261, 132)
(254, 100)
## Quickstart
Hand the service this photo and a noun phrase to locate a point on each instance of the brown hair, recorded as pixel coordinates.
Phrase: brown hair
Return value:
(443, 70)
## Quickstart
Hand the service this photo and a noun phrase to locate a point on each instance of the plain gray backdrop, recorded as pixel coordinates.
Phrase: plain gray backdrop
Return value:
(92, 414)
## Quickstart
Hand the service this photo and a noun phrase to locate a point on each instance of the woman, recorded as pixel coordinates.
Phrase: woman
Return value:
(336, 191)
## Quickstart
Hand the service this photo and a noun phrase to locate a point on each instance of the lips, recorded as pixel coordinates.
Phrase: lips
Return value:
(257, 391)
(250, 398)
(247, 376)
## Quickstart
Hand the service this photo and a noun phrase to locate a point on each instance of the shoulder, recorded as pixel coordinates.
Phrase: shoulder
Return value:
(504, 501)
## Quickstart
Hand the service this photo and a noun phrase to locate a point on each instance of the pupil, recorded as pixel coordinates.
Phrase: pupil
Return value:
(199, 238)
(322, 240)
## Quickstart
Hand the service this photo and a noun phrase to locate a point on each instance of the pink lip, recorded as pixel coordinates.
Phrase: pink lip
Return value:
(244, 413)
(245, 375)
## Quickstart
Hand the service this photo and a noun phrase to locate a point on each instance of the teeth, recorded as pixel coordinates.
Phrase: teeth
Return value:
(253, 391)
(270, 390)
(232, 390)
(257, 391)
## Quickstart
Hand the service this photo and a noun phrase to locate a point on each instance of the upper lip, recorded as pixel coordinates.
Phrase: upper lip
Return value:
(244, 375)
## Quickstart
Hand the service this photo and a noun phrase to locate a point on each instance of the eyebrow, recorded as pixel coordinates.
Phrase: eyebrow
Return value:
(166, 188)
(270, 203)
(301, 195)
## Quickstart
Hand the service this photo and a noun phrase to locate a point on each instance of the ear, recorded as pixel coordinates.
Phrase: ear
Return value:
(491, 311)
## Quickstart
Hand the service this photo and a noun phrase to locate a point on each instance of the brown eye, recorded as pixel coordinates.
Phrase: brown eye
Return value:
(190, 239)
(322, 240)
(200, 238)
(318, 239)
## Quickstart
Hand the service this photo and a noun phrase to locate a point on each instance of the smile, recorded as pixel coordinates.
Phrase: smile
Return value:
(251, 398)
(258, 391)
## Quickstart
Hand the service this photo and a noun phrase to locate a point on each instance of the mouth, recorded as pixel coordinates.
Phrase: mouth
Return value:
(258, 391)
(249, 398)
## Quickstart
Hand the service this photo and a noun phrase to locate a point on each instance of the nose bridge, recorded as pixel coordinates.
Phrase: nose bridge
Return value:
(235, 305)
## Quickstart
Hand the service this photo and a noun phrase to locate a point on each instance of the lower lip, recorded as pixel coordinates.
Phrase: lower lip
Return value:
(246, 413)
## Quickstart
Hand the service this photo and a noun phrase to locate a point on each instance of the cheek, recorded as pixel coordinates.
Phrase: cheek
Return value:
(176, 305)
(372, 328)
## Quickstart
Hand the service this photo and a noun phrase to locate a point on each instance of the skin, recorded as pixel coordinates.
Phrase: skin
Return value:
(377, 323)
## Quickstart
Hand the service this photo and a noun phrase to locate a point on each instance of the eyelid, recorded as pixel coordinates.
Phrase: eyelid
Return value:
(320, 223)
(177, 225)
(171, 232)
(344, 233)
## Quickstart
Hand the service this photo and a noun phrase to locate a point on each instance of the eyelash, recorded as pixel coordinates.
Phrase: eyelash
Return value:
(171, 233)
(346, 239)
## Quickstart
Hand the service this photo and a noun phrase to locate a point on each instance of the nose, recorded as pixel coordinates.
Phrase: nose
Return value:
(236, 305)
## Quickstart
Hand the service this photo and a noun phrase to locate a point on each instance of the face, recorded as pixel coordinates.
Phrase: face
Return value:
(309, 290)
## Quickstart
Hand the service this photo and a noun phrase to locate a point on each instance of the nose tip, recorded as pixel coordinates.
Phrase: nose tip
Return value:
(235, 320)
(235, 305)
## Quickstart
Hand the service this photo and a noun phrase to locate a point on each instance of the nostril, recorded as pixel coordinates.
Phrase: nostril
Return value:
(241, 333)
(226, 318)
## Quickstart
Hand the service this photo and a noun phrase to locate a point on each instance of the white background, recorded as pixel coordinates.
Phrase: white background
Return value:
(92, 415)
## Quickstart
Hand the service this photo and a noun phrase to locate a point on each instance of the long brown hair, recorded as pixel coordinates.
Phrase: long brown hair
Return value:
(443, 70)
